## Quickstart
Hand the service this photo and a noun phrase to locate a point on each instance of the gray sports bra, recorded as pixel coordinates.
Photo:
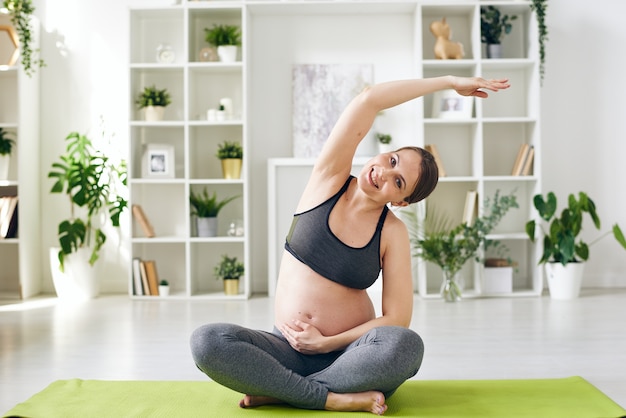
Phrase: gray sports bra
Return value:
(311, 241)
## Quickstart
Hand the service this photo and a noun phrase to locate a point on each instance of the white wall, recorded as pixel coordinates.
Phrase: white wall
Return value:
(85, 44)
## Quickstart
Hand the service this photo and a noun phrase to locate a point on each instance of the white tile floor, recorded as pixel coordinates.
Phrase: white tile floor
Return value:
(113, 337)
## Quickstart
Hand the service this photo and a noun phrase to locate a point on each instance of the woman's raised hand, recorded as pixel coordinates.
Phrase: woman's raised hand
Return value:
(473, 86)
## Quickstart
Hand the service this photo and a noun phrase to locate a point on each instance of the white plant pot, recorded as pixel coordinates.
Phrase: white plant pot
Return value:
(498, 280)
(164, 290)
(79, 281)
(227, 53)
(206, 227)
(5, 160)
(154, 113)
(384, 148)
(564, 282)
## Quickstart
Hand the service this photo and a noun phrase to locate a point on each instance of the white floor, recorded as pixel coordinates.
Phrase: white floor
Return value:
(113, 337)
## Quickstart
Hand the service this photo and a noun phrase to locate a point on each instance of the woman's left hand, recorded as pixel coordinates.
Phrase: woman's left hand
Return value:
(304, 337)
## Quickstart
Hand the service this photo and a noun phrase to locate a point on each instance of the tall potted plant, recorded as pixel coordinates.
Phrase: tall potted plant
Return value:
(226, 38)
(153, 101)
(231, 155)
(451, 247)
(493, 26)
(6, 147)
(206, 208)
(564, 252)
(229, 270)
(93, 185)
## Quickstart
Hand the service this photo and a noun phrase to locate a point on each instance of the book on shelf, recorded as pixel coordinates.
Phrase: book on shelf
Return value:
(152, 276)
(144, 278)
(432, 148)
(137, 281)
(528, 162)
(143, 221)
(523, 161)
(8, 216)
(470, 211)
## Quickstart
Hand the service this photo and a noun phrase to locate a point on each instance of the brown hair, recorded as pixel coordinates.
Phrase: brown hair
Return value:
(428, 177)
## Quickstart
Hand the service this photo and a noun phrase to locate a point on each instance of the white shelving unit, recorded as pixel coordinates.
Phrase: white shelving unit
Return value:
(478, 153)
(182, 258)
(20, 271)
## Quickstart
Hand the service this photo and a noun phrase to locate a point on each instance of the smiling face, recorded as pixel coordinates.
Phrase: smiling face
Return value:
(391, 177)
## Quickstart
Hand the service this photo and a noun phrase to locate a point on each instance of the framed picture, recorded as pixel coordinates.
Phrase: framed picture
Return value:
(448, 104)
(158, 161)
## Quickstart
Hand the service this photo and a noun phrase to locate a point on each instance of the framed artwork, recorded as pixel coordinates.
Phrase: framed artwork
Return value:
(320, 93)
(158, 161)
(448, 104)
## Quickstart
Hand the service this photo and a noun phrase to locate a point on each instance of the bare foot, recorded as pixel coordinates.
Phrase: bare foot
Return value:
(250, 401)
(371, 401)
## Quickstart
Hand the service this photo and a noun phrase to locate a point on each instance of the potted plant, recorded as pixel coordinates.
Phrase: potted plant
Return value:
(92, 184)
(450, 247)
(6, 147)
(153, 101)
(20, 12)
(564, 253)
(493, 26)
(206, 208)
(164, 288)
(226, 38)
(231, 154)
(229, 270)
(384, 142)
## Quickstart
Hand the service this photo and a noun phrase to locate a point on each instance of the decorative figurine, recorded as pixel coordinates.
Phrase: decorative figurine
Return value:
(444, 47)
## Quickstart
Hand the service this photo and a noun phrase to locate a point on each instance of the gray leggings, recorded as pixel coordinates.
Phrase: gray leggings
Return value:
(264, 364)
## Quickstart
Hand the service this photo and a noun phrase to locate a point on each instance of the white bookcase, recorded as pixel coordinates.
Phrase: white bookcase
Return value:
(183, 259)
(20, 271)
(478, 153)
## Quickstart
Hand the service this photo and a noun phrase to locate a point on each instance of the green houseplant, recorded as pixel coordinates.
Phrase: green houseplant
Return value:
(20, 12)
(229, 269)
(493, 26)
(231, 154)
(153, 101)
(6, 142)
(93, 186)
(206, 207)
(564, 252)
(226, 38)
(450, 247)
(539, 7)
(6, 147)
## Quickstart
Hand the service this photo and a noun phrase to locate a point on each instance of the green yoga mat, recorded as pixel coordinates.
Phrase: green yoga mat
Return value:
(570, 397)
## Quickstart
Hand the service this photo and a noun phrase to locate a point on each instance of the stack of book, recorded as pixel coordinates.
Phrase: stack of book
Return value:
(145, 278)
(524, 161)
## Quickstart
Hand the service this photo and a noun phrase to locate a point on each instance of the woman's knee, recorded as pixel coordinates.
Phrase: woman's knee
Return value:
(207, 340)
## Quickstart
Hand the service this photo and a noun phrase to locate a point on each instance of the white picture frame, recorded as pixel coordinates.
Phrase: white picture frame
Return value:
(158, 161)
(448, 104)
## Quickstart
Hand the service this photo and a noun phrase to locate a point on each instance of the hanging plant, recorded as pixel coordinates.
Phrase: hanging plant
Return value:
(20, 12)
(539, 7)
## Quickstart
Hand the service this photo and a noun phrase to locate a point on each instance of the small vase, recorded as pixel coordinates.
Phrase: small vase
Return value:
(231, 286)
(154, 113)
(494, 51)
(164, 290)
(5, 160)
(227, 53)
(450, 289)
(231, 168)
(206, 227)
